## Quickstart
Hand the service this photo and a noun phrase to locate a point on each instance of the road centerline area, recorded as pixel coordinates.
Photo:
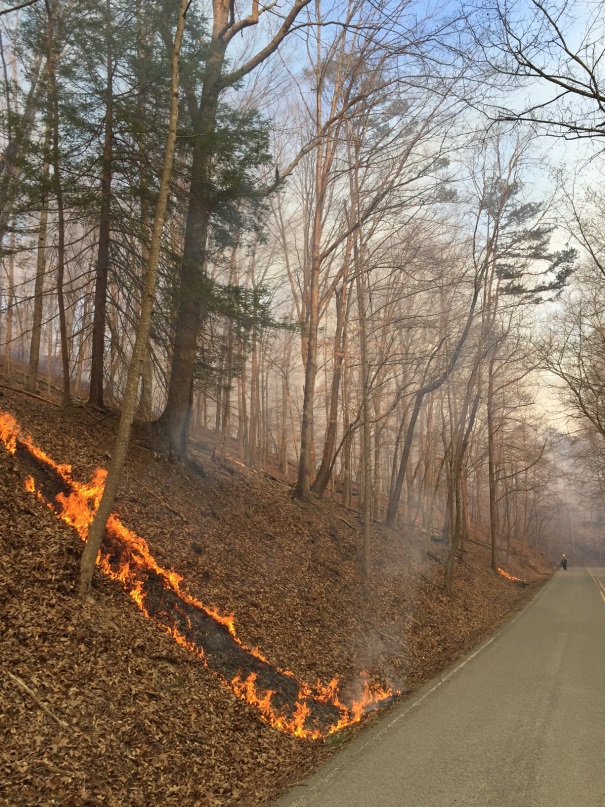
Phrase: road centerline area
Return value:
(523, 724)
(600, 585)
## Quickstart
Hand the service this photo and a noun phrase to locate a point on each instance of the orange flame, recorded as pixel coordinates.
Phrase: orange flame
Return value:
(77, 509)
(509, 576)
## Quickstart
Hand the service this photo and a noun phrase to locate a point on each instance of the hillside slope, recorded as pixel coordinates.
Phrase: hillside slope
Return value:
(100, 706)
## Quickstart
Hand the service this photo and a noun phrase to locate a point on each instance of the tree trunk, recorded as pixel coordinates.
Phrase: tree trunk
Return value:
(95, 397)
(10, 305)
(97, 528)
(491, 466)
(58, 188)
(460, 444)
(173, 420)
(366, 431)
(431, 387)
(325, 468)
(227, 381)
(82, 344)
(242, 433)
(303, 481)
(254, 400)
(10, 168)
(34, 352)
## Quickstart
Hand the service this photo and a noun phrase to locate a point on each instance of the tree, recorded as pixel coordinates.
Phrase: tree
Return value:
(97, 528)
(95, 396)
(203, 103)
(519, 269)
(574, 350)
(539, 40)
(401, 130)
(51, 66)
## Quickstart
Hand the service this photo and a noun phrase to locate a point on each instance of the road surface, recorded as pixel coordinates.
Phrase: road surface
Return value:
(519, 722)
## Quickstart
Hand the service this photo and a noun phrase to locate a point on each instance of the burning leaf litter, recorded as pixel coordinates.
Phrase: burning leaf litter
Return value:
(510, 576)
(304, 710)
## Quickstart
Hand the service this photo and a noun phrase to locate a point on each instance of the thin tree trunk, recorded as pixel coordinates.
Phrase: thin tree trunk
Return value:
(227, 382)
(243, 409)
(83, 343)
(325, 469)
(491, 466)
(95, 397)
(254, 401)
(459, 449)
(10, 167)
(425, 390)
(366, 431)
(97, 528)
(348, 443)
(58, 188)
(34, 352)
(10, 306)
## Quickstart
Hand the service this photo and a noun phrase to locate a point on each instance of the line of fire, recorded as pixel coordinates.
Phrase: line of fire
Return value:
(307, 711)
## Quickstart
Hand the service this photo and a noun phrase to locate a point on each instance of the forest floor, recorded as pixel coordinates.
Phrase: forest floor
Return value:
(99, 706)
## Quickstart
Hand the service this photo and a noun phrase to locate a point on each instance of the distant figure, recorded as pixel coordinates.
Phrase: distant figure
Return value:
(563, 562)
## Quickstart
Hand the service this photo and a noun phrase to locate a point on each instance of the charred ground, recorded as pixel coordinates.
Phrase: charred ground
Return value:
(117, 713)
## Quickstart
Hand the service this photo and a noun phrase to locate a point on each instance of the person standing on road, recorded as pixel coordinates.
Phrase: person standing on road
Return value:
(563, 562)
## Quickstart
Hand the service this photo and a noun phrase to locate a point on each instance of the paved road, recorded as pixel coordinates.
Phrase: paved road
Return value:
(519, 723)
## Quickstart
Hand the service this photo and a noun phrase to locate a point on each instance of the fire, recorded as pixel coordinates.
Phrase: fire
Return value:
(126, 558)
(509, 576)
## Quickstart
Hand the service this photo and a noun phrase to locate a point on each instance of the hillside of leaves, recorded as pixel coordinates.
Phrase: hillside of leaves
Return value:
(100, 707)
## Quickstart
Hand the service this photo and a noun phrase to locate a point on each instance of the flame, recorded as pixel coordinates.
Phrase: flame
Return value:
(509, 576)
(77, 508)
(8, 432)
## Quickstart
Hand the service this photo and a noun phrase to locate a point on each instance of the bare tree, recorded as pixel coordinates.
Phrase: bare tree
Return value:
(539, 40)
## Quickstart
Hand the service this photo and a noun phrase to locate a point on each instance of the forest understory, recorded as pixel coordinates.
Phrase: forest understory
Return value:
(99, 706)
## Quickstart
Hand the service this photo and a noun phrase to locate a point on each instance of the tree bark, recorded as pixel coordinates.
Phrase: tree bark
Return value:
(491, 466)
(34, 352)
(325, 469)
(366, 430)
(95, 397)
(58, 188)
(10, 305)
(10, 166)
(97, 528)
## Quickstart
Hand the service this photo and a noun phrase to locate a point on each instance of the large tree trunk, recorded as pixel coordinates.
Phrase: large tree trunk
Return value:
(303, 480)
(324, 159)
(393, 504)
(172, 423)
